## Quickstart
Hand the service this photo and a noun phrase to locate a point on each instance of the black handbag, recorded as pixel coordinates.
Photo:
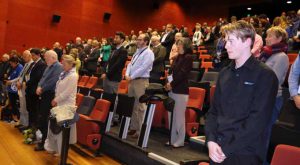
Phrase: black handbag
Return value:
(54, 127)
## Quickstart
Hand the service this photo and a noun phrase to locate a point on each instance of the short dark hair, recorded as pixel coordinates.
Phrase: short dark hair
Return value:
(121, 35)
(14, 59)
(36, 51)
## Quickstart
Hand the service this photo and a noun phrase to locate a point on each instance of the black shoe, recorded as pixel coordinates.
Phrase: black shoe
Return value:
(23, 128)
(39, 147)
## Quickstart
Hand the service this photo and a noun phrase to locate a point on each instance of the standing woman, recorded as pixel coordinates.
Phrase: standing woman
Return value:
(179, 91)
(65, 94)
(12, 89)
(274, 55)
(105, 53)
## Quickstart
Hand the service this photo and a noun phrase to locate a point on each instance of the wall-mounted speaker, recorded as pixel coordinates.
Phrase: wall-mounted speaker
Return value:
(106, 17)
(56, 18)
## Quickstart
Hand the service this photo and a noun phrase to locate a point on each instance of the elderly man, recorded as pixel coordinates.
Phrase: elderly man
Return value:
(57, 48)
(138, 73)
(46, 93)
(92, 59)
(158, 64)
(21, 90)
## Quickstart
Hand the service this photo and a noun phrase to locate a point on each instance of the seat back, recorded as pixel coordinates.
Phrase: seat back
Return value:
(292, 57)
(123, 87)
(206, 65)
(100, 110)
(196, 65)
(285, 154)
(86, 105)
(205, 57)
(194, 76)
(83, 80)
(79, 98)
(92, 82)
(203, 85)
(210, 77)
(196, 97)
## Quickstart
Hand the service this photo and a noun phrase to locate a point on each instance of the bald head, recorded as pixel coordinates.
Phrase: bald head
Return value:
(26, 56)
(56, 45)
(50, 57)
(78, 40)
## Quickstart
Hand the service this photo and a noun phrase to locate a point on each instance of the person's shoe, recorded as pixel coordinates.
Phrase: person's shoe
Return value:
(23, 128)
(56, 155)
(177, 146)
(135, 136)
(131, 132)
(39, 147)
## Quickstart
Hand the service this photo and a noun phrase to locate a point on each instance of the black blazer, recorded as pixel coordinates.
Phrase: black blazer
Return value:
(168, 43)
(116, 63)
(91, 63)
(158, 63)
(35, 76)
(181, 68)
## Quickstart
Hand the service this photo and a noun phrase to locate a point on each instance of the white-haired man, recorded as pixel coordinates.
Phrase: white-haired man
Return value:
(158, 64)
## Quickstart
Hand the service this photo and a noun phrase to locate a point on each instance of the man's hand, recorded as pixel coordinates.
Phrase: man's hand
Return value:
(19, 85)
(215, 152)
(127, 78)
(39, 91)
(297, 101)
(103, 76)
(54, 103)
(168, 87)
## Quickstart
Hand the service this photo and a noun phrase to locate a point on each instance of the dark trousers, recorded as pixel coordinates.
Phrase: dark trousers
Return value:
(31, 105)
(155, 77)
(13, 97)
(43, 113)
(240, 160)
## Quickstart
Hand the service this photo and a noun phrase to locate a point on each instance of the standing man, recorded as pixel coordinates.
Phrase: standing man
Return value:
(46, 93)
(92, 59)
(32, 78)
(113, 73)
(244, 99)
(158, 68)
(167, 39)
(21, 90)
(137, 74)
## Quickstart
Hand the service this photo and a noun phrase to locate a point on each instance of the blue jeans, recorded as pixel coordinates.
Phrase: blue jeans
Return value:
(275, 114)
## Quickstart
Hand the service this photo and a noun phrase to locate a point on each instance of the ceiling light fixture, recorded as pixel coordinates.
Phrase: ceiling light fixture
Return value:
(249, 8)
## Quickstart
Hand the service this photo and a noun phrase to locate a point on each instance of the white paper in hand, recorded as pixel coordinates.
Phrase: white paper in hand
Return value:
(170, 78)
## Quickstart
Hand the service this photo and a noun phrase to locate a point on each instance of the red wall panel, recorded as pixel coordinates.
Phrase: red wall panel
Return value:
(29, 22)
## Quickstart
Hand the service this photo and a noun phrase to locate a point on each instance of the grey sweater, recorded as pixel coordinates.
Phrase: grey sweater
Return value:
(279, 63)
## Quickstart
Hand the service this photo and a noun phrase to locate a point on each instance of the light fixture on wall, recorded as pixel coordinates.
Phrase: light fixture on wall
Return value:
(288, 2)
(249, 8)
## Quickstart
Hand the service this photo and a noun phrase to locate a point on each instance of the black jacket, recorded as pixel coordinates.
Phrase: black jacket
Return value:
(158, 63)
(242, 108)
(168, 43)
(35, 76)
(181, 68)
(4, 69)
(91, 63)
(116, 63)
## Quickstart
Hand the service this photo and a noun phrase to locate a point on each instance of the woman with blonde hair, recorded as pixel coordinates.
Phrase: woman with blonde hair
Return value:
(65, 94)
(74, 53)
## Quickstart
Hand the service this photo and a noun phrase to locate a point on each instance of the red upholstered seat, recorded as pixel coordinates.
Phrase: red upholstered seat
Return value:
(83, 81)
(194, 106)
(123, 87)
(79, 98)
(285, 154)
(88, 132)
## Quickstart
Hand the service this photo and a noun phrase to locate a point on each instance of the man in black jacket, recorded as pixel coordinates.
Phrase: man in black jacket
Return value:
(4, 69)
(242, 107)
(32, 78)
(167, 40)
(92, 59)
(113, 72)
(158, 67)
